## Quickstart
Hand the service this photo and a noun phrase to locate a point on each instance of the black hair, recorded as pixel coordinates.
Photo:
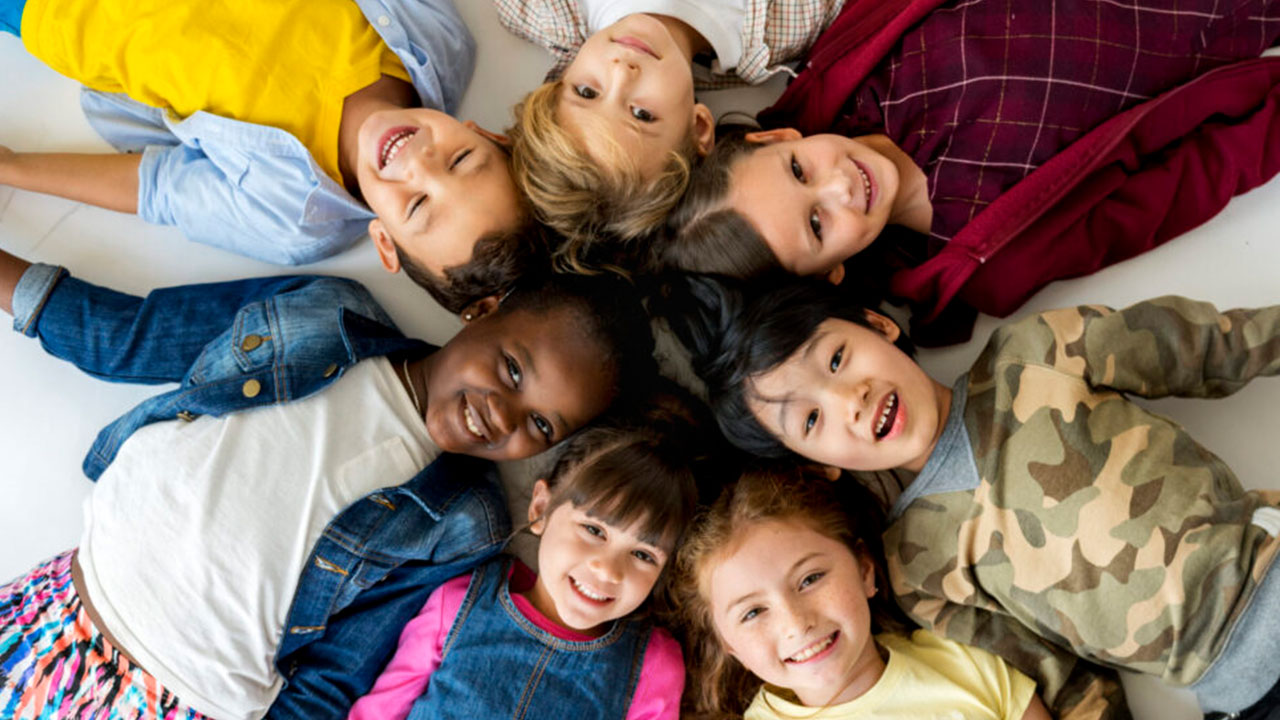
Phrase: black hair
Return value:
(607, 311)
(497, 261)
(735, 330)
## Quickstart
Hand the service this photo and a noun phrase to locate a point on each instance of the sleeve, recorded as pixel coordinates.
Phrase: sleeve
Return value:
(556, 25)
(125, 338)
(661, 683)
(1167, 346)
(253, 203)
(1072, 688)
(418, 655)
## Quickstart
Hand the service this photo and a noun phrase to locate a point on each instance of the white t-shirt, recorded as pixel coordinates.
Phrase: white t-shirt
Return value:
(719, 21)
(196, 534)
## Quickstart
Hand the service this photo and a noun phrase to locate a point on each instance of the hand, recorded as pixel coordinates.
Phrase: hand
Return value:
(7, 159)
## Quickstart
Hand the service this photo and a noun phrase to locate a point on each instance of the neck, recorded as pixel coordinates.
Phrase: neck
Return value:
(942, 398)
(689, 41)
(911, 206)
(387, 93)
(413, 375)
(542, 601)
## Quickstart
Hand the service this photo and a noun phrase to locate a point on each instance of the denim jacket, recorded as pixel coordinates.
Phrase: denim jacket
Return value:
(255, 190)
(244, 344)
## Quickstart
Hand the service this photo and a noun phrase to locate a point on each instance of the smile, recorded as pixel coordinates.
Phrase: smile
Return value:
(888, 413)
(866, 186)
(588, 593)
(393, 141)
(474, 423)
(637, 45)
(815, 649)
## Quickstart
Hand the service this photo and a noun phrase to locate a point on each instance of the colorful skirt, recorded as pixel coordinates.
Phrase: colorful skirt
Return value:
(55, 664)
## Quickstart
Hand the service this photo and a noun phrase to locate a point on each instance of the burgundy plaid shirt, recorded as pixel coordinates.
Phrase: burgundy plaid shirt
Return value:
(981, 92)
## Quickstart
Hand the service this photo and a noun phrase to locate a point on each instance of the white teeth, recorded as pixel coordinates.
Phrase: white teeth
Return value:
(814, 649)
(583, 589)
(866, 186)
(884, 416)
(394, 146)
(471, 423)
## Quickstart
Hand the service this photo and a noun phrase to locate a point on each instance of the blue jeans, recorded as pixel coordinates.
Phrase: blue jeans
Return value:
(11, 16)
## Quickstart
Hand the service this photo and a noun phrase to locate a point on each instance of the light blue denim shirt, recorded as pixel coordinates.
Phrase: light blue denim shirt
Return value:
(256, 190)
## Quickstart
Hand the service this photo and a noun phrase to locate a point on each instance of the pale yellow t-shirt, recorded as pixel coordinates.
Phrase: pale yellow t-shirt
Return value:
(926, 678)
(284, 63)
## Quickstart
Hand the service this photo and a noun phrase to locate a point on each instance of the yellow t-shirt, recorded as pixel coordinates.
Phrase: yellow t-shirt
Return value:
(284, 63)
(926, 678)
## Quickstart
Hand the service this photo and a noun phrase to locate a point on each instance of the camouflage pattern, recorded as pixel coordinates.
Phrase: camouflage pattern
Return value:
(1098, 529)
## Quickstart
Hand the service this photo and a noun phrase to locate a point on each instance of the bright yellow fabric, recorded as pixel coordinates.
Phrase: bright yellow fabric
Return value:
(284, 63)
(927, 678)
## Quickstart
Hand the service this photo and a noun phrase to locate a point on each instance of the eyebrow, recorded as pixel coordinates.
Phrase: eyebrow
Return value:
(809, 347)
(790, 570)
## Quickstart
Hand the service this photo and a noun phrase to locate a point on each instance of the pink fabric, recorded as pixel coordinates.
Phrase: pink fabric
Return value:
(658, 689)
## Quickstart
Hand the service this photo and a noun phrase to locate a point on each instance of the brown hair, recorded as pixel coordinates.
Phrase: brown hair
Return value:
(603, 208)
(497, 261)
(718, 685)
(703, 234)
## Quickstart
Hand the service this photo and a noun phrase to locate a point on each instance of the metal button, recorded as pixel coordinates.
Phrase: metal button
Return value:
(251, 388)
(250, 342)
(383, 20)
(329, 371)
(186, 416)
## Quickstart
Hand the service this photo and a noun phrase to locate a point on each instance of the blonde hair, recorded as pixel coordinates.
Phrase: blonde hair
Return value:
(718, 685)
(603, 209)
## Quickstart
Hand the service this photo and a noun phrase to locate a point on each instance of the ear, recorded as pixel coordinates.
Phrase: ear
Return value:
(883, 325)
(768, 137)
(497, 138)
(480, 308)
(704, 129)
(836, 276)
(831, 472)
(538, 506)
(385, 246)
(866, 570)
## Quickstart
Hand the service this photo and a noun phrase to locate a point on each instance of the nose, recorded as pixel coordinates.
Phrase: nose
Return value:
(798, 619)
(856, 395)
(502, 414)
(837, 188)
(420, 159)
(606, 566)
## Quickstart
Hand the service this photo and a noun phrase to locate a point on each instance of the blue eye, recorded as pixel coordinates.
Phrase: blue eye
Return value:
(586, 92)
(751, 614)
(810, 579)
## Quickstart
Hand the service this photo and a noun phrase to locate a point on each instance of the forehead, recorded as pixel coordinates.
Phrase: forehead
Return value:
(614, 138)
(760, 553)
(564, 366)
(763, 190)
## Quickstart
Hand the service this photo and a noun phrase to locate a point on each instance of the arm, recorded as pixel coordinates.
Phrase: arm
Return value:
(661, 682)
(11, 270)
(108, 180)
(1161, 347)
(1036, 710)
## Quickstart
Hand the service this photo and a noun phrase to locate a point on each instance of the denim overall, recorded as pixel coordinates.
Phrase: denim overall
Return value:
(498, 664)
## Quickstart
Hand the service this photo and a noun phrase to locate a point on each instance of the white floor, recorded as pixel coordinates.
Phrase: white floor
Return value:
(50, 412)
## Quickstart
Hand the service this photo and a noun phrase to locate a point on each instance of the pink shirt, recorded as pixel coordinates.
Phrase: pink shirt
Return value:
(405, 678)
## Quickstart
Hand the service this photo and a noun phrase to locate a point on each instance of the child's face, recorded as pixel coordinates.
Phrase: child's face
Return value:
(791, 605)
(437, 186)
(512, 384)
(589, 572)
(632, 80)
(817, 200)
(849, 397)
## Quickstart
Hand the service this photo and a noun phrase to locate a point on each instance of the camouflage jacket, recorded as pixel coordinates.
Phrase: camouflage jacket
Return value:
(1057, 518)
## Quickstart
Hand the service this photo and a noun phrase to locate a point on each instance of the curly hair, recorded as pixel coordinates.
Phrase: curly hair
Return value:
(718, 685)
(603, 208)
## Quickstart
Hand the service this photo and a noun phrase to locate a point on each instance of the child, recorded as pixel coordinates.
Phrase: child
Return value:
(274, 130)
(1013, 143)
(603, 148)
(503, 641)
(1043, 512)
(781, 597)
(223, 499)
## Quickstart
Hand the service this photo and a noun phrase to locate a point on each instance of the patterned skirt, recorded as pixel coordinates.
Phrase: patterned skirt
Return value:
(55, 664)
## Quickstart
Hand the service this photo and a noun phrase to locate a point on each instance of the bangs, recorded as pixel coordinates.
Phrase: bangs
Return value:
(630, 484)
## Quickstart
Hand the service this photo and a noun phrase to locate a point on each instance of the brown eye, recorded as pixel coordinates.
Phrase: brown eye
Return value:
(586, 92)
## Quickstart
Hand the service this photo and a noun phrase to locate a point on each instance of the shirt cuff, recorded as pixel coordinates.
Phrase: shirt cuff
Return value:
(31, 293)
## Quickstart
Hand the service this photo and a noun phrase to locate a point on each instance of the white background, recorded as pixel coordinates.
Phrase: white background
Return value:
(50, 412)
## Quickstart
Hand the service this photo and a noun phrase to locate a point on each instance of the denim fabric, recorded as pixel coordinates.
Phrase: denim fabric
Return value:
(379, 559)
(11, 16)
(256, 190)
(497, 663)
